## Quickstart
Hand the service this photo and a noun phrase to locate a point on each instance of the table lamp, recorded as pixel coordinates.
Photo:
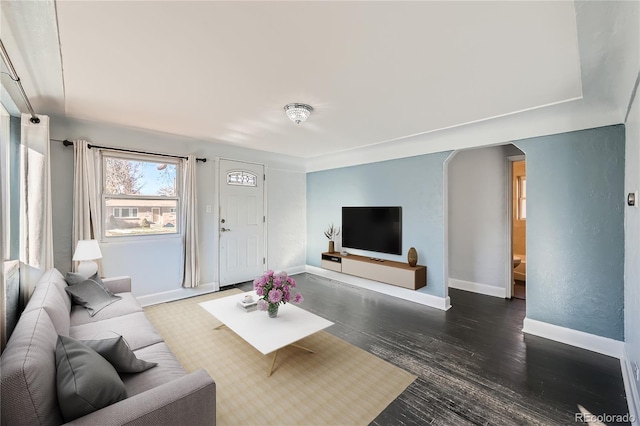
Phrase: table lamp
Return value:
(86, 252)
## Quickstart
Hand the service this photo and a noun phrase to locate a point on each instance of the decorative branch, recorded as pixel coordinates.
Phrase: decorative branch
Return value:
(332, 232)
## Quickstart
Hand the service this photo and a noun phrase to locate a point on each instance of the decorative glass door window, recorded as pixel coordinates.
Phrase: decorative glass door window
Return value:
(242, 178)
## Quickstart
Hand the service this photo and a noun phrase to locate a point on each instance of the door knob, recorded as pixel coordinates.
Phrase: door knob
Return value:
(224, 229)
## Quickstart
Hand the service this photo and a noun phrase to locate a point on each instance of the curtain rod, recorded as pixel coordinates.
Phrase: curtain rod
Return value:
(14, 76)
(69, 143)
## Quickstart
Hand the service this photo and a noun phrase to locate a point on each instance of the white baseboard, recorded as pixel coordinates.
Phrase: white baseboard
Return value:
(488, 290)
(580, 339)
(442, 303)
(296, 270)
(177, 294)
(630, 388)
(183, 293)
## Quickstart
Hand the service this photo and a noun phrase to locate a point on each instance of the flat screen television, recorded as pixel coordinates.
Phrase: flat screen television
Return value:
(376, 229)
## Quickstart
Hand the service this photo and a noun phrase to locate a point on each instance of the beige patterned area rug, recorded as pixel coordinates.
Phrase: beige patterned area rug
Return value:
(339, 384)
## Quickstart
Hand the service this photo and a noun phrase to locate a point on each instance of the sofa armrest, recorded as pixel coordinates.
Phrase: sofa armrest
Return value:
(189, 400)
(118, 284)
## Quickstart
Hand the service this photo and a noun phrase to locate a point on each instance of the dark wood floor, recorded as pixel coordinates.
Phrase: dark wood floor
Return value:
(473, 364)
(520, 290)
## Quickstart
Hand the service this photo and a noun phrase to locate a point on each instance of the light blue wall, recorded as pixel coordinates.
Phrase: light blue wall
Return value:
(415, 184)
(575, 230)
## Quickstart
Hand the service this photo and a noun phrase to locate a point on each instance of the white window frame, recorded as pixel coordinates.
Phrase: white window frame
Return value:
(146, 158)
(522, 199)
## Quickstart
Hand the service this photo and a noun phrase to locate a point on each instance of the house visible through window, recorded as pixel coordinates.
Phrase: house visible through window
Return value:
(140, 195)
(125, 212)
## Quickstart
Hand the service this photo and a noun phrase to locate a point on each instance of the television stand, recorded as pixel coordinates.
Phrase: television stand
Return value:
(386, 271)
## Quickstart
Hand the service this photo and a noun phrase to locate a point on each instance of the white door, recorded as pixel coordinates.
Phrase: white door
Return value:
(241, 221)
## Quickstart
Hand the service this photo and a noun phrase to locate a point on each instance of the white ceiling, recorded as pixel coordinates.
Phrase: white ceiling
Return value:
(375, 72)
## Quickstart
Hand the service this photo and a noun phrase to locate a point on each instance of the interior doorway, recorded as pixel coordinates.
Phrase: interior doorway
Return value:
(479, 225)
(519, 226)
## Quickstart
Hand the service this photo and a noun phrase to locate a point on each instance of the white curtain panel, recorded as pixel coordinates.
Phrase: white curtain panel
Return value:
(189, 221)
(36, 232)
(87, 222)
(3, 297)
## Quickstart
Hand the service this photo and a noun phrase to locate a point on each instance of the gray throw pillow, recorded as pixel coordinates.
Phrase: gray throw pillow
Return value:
(91, 295)
(73, 278)
(85, 381)
(118, 353)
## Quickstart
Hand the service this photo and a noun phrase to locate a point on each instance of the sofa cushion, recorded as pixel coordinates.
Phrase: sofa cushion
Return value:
(119, 355)
(54, 276)
(127, 305)
(85, 381)
(91, 295)
(28, 384)
(46, 296)
(168, 369)
(73, 278)
(136, 329)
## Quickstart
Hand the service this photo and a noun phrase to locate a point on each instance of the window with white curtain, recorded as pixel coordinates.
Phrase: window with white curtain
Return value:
(140, 195)
(5, 178)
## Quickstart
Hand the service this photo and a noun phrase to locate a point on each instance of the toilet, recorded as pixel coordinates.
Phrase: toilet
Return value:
(516, 261)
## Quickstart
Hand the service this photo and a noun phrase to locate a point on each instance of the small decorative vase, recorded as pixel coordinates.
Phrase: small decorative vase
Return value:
(412, 257)
(273, 310)
(332, 247)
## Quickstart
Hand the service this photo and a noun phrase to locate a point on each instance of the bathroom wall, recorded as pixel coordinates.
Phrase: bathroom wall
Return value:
(575, 223)
(519, 228)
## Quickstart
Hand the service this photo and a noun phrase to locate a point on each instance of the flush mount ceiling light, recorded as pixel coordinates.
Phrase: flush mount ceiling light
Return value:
(298, 112)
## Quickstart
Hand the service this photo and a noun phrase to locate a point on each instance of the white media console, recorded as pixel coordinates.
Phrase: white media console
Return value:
(386, 271)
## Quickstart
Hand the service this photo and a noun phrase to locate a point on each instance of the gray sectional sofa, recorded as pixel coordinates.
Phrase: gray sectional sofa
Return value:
(164, 394)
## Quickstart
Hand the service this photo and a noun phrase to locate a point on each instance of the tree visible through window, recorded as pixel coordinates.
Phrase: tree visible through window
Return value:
(140, 195)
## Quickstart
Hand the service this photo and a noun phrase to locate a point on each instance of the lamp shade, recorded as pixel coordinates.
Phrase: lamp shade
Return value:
(87, 250)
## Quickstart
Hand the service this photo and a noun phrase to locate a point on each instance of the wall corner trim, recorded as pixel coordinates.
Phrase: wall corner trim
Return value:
(442, 303)
(296, 270)
(488, 290)
(580, 339)
(177, 294)
(630, 388)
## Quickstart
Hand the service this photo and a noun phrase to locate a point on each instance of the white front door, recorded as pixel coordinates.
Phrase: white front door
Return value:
(241, 221)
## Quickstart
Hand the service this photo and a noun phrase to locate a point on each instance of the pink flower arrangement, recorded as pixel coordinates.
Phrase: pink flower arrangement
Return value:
(273, 289)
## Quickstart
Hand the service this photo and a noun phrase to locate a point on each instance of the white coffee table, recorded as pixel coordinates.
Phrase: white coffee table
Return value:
(268, 335)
